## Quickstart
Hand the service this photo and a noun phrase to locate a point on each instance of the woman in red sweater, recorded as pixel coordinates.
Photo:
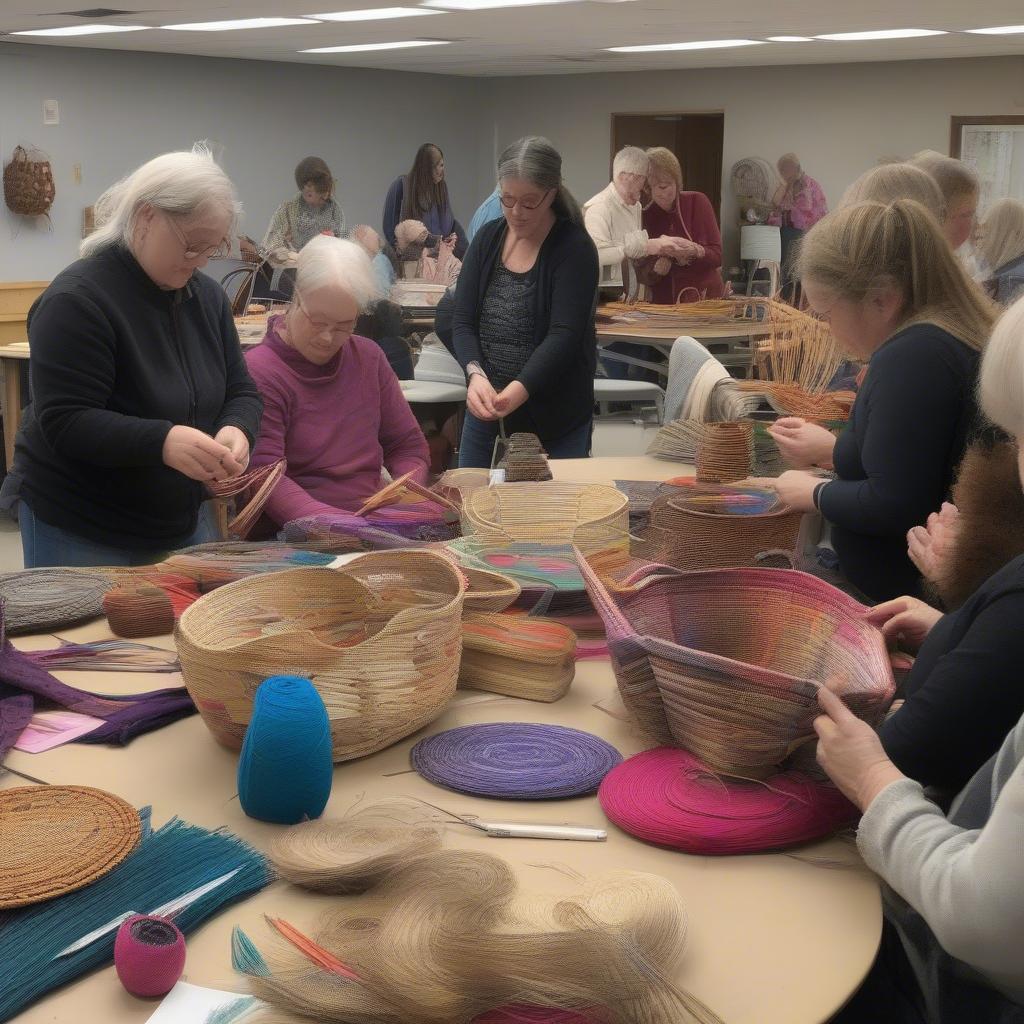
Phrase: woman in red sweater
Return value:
(697, 274)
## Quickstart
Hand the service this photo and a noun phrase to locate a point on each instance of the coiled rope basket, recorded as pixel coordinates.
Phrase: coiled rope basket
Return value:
(380, 638)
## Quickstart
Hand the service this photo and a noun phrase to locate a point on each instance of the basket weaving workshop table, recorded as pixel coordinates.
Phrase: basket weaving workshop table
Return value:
(773, 939)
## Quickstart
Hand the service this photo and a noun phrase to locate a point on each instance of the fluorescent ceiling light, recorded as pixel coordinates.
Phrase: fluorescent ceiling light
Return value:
(375, 14)
(884, 33)
(364, 47)
(80, 30)
(707, 44)
(232, 26)
(1001, 30)
(489, 5)
(790, 39)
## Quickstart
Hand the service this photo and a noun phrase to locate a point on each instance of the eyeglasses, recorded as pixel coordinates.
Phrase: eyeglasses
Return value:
(210, 253)
(510, 202)
(338, 327)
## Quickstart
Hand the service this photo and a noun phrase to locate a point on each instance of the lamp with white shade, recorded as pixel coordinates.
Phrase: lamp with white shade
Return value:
(761, 245)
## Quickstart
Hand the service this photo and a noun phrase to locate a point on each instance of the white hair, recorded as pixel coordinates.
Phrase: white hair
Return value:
(363, 232)
(326, 262)
(632, 160)
(179, 184)
(1001, 379)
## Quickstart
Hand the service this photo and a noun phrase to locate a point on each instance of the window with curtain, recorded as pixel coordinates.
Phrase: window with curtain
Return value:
(996, 152)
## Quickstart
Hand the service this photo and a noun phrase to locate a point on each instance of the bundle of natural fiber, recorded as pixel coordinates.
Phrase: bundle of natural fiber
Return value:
(793, 400)
(138, 609)
(38, 600)
(706, 526)
(725, 452)
(799, 348)
(254, 489)
(446, 937)
(594, 517)
(380, 638)
(517, 656)
(727, 663)
(28, 183)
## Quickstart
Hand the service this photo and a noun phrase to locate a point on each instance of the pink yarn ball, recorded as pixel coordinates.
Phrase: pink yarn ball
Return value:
(666, 796)
(149, 955)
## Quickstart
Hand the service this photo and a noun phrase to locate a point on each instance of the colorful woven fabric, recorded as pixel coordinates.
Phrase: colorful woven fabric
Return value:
(515, 760)
(666, 796)
(727, 663)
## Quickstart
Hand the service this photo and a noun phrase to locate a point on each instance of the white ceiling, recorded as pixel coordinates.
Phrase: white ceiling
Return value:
(556, 39)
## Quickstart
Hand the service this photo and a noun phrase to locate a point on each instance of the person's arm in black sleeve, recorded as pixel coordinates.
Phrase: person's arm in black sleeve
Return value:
(73, 370)
(243, 405)
(466, 313)
(573, 298)
(913, 403)
(972, 698)
(461, 242)
(393, 209)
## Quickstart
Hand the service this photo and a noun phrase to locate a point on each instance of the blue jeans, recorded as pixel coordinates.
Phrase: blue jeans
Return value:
(46, 545)
(477, 445)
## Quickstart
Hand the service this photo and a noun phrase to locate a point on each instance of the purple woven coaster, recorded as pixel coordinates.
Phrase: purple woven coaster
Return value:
(516, 760)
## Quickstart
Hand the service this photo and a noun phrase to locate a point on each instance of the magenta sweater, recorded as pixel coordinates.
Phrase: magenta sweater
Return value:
(336, 425)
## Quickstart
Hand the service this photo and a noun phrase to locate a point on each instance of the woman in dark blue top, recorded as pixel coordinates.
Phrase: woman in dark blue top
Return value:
(886, 280)
(524, 313)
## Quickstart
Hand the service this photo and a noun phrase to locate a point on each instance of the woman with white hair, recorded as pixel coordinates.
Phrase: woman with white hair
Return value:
(140, 393)
(333, 407)
(1000, 244)
(954, 893)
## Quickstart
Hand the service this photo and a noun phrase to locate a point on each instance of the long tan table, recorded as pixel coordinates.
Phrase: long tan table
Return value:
(773, 939)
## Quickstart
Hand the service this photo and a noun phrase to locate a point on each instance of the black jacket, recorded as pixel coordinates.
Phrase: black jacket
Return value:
(116, 362)
(897, 458)
(559, 375)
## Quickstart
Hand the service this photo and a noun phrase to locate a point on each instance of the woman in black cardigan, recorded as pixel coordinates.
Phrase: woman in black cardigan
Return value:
(524, 313)
(887, 282)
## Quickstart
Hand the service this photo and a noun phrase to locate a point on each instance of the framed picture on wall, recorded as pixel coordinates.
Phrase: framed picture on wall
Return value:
(994, 147)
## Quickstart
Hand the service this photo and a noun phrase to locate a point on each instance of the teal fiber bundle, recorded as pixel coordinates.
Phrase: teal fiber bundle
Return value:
(286, 766)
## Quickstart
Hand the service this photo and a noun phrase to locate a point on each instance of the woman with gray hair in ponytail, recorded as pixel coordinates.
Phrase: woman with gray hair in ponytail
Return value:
(524, 313)
(140, 393)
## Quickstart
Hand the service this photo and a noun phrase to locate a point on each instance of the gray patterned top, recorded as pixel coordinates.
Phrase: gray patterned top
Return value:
(507, 324)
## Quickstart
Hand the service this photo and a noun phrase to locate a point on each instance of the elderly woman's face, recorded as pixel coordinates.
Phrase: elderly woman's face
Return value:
(629, 186)
(320, 321)
(171, 248)
(789, 170)
(664, 191)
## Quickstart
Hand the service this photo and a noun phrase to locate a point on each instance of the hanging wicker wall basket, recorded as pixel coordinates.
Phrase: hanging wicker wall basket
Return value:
(28, 183)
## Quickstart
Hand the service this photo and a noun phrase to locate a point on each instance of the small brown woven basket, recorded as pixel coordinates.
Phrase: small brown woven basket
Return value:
(380, 638)
(56, 839)
(725, 452)
(28, 183)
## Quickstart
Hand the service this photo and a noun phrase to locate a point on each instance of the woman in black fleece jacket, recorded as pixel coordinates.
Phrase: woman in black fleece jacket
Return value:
(140, 392)
(894, 294)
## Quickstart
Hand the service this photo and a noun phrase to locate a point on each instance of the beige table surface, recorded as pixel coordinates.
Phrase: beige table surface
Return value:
(773, 939)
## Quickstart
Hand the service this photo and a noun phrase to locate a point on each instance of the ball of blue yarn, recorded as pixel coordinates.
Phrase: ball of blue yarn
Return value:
(286, 766)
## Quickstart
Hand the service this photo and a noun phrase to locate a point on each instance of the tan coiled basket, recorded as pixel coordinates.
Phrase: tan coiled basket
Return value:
(380, 638)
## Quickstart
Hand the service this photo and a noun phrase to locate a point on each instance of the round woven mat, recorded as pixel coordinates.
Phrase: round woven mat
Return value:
(55, 839)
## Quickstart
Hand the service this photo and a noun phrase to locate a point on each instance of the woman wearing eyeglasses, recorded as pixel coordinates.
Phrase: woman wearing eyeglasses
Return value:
(333, 407)
(523, 324)
(140, 393)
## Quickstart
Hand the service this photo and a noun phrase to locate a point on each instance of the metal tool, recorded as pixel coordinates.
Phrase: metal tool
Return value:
(524, 830)
(169, 909)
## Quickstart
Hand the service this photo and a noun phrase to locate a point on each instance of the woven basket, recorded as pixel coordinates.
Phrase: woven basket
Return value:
(517, 656)
(592, 516)
(725, 452)
(380, 638)
(489, 591)
(28, 184)
(683, 535)
(726, 663)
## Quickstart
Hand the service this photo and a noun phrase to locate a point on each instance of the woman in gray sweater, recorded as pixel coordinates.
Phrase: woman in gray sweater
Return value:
(954, 894)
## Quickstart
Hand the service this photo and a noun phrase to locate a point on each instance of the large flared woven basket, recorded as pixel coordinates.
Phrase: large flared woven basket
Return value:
(727, 663)
(380, 638)
(594, 517)
(685, 535)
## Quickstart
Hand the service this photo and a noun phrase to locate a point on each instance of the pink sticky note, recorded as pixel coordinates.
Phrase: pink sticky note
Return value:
(49, 729)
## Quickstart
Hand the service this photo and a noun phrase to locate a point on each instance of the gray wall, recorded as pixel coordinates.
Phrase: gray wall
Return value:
(119, 109)
(841, 119)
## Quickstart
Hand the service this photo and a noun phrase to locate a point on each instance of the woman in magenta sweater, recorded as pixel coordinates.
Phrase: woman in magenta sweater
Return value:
(333, 407)
(697, 274)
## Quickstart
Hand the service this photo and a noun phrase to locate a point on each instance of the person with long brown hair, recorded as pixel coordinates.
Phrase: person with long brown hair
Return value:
(887, 281)
(422, 195)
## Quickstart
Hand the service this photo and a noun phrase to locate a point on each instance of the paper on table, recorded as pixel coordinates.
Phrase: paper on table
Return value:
(49, 729)
(191, 1004)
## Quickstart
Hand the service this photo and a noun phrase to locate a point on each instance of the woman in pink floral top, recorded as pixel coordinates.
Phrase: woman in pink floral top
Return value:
(798, 204)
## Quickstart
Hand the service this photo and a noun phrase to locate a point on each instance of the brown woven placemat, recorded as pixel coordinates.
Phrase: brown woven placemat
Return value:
(55, 839)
